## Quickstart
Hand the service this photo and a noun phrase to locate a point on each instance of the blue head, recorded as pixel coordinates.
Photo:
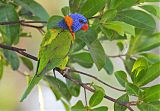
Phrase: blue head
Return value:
(79, 22)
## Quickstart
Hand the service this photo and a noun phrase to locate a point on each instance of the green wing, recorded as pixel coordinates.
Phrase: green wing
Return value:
(53, 53)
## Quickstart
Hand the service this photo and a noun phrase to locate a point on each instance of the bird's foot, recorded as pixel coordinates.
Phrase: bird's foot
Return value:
(66, 71)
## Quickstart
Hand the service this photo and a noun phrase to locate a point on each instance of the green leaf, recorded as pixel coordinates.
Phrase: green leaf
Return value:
(1, 68)
(10, 33)
(34, 8)
(152, 93)
(124, 98)
(153, 106)
(146, 43)
(120, 45)
(98, 55)
(53, 21)
(152, 58)
(66, 105)
(141, 63)
(120, 27)
(96, 98)
(132, 89)
(139, 19)
(78, 45)
(111, 34)
(108, 65)
(74, 88)
(75, 5)
(151, 0)
(78, 107)
(65, 10)
(12, 59)
(84, 59)
(88, 37)
(98, 88)
(101, 108)
(116, 4)
(153, 9)
(128, 63)
(27, 62)
(121, 76)
(59, 86)
(88, 9)
(152, 73)
(108, 15)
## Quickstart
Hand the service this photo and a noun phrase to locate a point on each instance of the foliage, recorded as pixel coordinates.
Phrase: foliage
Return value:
(109, 20)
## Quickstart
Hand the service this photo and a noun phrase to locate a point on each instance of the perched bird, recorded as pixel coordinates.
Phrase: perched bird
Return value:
(55, 47)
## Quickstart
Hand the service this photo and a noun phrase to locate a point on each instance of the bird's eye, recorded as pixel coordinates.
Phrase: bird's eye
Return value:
(80, 21)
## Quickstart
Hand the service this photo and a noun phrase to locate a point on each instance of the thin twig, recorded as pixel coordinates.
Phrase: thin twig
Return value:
(114, 56)
(85, 96)
(23, 74)
(20, 22)
(27, 24)
(86, 74)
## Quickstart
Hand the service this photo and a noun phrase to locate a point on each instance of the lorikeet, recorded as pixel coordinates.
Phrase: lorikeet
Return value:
(55, 47)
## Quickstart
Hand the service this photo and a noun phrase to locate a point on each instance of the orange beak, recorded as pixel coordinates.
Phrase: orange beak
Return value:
(85, 27)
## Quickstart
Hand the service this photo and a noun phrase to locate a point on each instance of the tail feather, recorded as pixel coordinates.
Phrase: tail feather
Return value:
(33, 82)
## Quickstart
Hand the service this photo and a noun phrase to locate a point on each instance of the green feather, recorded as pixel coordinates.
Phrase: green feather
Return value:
(53, 53)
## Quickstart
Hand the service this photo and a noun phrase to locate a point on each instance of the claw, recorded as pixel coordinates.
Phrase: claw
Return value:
(66, 71)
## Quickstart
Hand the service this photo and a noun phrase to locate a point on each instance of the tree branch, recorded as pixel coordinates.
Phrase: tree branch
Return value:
(91, 76)
(22, 52)
(85, 86)
(19, 50)
(27, 24)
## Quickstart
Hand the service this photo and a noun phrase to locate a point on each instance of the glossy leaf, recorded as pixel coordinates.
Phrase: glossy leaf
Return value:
(75, 5)
(152, 58)
(124, 98)
(153, 9)
(96, 98)
(138, 19)
(120, 45)
(74, 89)
(88, 37)
(108, 15)
(98, 55)
(59, 86)
(65, 10)
(88, 9)
(10, 33)
(120, 27)
(108, 65)
(84, 59)
(115, 4)
(140, 63)
(152, 106)
(12, 59)
(27, 62)
(128, 63)
(101, 108)
(151, 74)
(121, 76)
(152, 93)
(78, 107)
(78, 45)
(132, 89)
(33, 7)
(53, 21)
